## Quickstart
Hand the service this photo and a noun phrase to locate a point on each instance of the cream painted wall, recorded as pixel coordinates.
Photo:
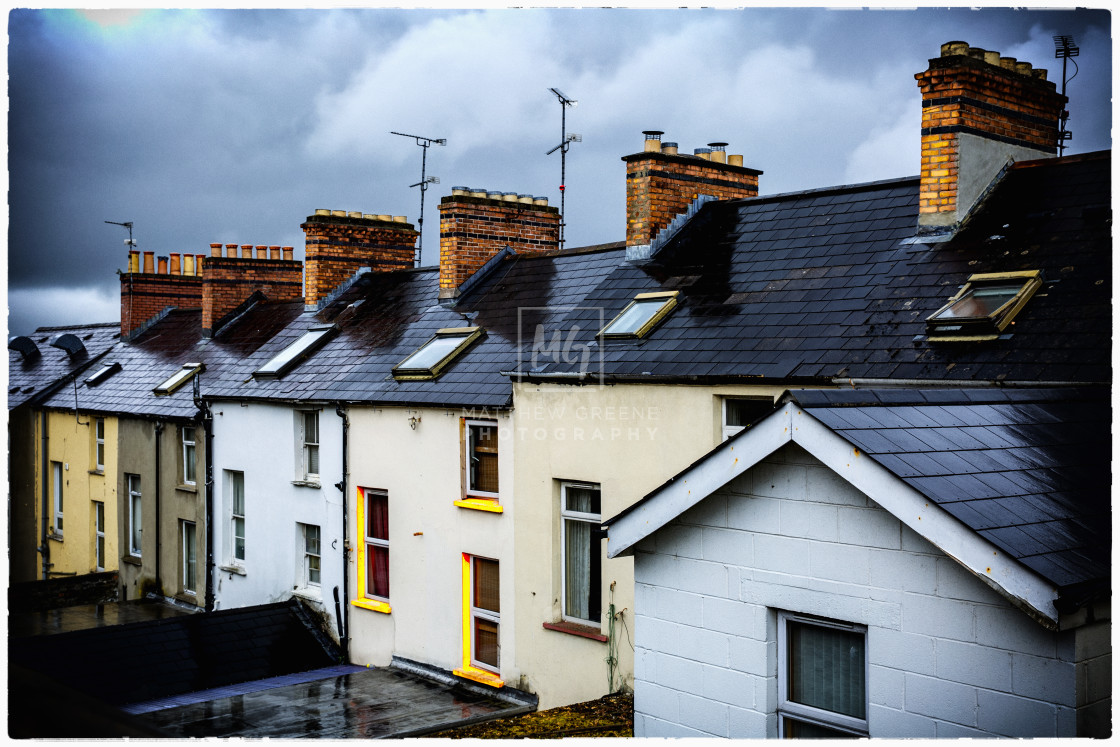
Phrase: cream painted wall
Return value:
(421, 471)
(628, 438)
(71, 443)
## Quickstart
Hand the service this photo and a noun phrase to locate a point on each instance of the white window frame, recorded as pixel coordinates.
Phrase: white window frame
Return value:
(468, 491)
(596, 520)
(99, 444)
(372, 542)
(57, 480)
(810, 714)
(99, 535)
(233, 480)
(731, 430)
(189, 586)
(135, 515)
(305, 445)
(189, 446)
(485, 614)
(308, 555)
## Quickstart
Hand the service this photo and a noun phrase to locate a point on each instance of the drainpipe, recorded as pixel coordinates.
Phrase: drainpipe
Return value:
(45, 547)
(159, 526)
(344, 621)
(207, 419)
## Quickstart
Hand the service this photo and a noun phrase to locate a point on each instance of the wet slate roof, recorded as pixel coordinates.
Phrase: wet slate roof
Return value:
(1028, 470)
(819, 285)
(31, 380)
(159, 658)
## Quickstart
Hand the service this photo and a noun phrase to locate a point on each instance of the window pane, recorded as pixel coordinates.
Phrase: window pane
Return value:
(582, 571)
(239, 538)
(432, 353)
(486, 584)
(981, 301)
(377, 571)
(188, 463)
(289, 354)
(237, 485)
(632, 319)
(312, 459)
(582, 499)
(826, 669)
(311, 539)
(803, 730)
(377, 516)
(486, 642)
(313, 569)
(742, 412)
(311, 427)
(190, 557)
(483, 458)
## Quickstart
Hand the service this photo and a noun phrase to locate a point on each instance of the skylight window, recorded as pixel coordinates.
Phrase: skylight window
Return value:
(984, 307)
(180, 377)
(103, 373)
(642, 315)
(289, 357)
(434, 355)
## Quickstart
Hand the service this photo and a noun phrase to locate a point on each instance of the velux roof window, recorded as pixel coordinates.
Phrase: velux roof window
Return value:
(180, 377)
(103, 373)
(642, 315)
(435, 354)
(984, 307)
(287, 359)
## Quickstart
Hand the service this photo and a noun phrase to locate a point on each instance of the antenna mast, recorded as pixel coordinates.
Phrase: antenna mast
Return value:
(1065, 50)
(565, 141)
(423, 142)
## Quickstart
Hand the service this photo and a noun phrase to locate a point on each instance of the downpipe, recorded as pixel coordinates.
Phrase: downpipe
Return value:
(45, 546)
(159, 526)
(343, 616)
(207, 419)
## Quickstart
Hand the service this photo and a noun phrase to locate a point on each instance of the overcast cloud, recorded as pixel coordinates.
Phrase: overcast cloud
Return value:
(233, 126)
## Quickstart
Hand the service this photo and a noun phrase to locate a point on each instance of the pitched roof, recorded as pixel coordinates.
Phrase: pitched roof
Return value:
(1026, 472)
(820, 285)
(33, 378)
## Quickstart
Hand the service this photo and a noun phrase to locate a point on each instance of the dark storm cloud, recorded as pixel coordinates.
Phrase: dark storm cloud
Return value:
(233, 126)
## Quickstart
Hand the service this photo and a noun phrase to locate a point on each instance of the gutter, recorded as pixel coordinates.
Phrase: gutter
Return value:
(344, 615)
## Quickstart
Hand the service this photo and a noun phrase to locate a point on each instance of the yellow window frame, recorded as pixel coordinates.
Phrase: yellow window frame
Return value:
(362, 601)
(990, 326)
(670, 304)
(468, 670)
(469, 335)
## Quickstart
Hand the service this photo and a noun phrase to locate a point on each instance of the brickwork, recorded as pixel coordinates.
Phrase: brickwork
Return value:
(976, 92)
(338, 243)
(143, 295)
(474, 229)
(947, 655)
(660, 186)
(230, 280)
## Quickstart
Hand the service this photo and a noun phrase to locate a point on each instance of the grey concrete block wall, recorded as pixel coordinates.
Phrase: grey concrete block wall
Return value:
(948, 656)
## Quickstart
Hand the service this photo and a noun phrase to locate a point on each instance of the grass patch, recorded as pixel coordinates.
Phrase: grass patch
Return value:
(609, 716)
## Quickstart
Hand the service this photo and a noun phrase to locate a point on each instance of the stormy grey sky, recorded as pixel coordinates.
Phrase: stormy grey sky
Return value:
(233, 125)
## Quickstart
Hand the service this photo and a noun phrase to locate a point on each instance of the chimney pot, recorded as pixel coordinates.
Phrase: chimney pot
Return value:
(1007, 63)
(1039, 72)
(287, 250)
(460, 191)
(719, 152)
(705, 153)
(494, 195)
(477, 192)
(953, 48)
(149, 262)
(198, 260)
(261, 251)
(354, 214)
(1023, 68)
(669, 148)
(274, 252)
(653, 140)
(188, 265)
(338, 213)
(215, 250)
(976, 53)
(538, 200)
(231, 250)
(384, 216)
(735, 160)
(176, 267)
(509, 196)
(992, 58)
(322, 211)
(525, 199)
(246, 251)
(400, 219)
(134, 260)
(161, 265)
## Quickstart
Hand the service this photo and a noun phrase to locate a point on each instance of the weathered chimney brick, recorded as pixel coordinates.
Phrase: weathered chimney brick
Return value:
(338, 244)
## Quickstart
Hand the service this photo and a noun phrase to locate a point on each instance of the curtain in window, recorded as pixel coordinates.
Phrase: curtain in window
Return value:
(377, 556)
(190, 557)
(486, 597)
(577, 571)
(826, 669)
(486, 641)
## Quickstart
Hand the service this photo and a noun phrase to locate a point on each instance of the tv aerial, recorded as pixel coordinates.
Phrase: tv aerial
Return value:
(565, 142)
(425, 180)
(1065, 50)
(127, 224)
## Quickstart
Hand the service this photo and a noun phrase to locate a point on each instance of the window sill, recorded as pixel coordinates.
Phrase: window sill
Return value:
(583, 631)
(55, 537)
(373, 606)
(132, 560)
(311, 593)
(307, 484)
(187, 488)
(232, 569)
(188, 597)
(479, 675)
(97, 472)
(480, 504)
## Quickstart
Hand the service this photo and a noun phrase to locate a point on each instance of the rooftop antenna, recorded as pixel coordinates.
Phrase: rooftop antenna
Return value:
(1065, 50)
(423, 142)
(565, 141)
(127, 224)
(130, 244)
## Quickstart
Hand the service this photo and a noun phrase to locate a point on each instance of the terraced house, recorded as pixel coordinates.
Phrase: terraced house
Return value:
(828, 430)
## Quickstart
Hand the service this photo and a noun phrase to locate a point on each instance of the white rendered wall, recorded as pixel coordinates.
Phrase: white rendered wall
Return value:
(259, 440)
(948, 656)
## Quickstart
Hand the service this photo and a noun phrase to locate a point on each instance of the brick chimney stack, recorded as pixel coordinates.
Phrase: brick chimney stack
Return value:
(230, 280)
(661, 184)
(340, 242)
(474, 225)
(149, 289)
(979, 111)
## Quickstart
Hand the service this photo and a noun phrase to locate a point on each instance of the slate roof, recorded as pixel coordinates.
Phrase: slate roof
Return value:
(30, 380)
(1028, 470)
(818, 285)
(159, 658)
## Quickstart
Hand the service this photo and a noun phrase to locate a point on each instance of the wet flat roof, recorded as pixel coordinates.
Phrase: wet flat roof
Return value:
(84, 617)
(371, 703)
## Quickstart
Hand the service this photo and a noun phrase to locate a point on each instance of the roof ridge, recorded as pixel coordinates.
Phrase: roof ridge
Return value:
(835, 189)
(63, 327)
